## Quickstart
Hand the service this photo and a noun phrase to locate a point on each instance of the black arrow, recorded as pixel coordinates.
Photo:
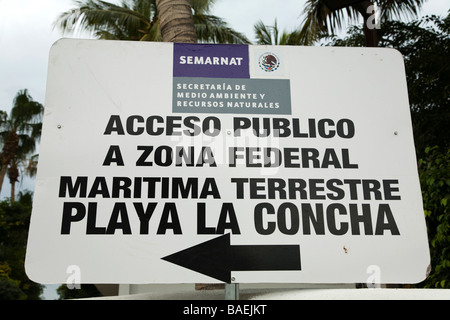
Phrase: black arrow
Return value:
(216, 258)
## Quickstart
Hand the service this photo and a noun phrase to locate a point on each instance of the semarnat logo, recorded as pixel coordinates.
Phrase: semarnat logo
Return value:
(269, 62)
(211, 61)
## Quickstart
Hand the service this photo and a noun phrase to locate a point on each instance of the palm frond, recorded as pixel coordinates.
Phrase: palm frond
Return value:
(213, 29)
(19, 133)
(202, 6)
(25, 111)
(319, 20)
(154, 33)
(399, 9)
(96, 15)
(263, 33)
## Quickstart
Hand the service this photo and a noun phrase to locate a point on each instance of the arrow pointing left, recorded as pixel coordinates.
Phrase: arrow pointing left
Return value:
(216, 258)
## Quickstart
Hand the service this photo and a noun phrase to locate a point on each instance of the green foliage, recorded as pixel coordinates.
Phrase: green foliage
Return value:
(320, 20)
(19, 133)
(434, 172)
(14, 223)
(271, 35)
(86, 291)
(9, 288)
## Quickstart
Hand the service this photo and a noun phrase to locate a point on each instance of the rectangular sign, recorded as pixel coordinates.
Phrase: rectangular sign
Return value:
(174, 163)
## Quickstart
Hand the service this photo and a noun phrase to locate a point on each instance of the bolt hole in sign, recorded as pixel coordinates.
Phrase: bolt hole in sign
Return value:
(182, 163)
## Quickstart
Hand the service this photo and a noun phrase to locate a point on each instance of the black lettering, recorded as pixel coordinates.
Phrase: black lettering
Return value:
(297, 186)
(283, 217)
(119, 213)
(181, 155)
(371, 187)
(365, 219)
(260, 226)
(389, 189)
(91, 227)
(216, 126)
(265, 132)
(189, 122)
(131, 130)
(227, 220)
(206, 156)
(346, 160)
(99, 187)
(151, 128)
(312, 128)
(289, 158)
(172, 124)
(276, 186)
(338, 194)
(239, 124)
(201, 220)
(66, 185)
(210, 189)
(254, 188)
(251, 154)
(316, 219)
(163, 156)
(330, 158)
(121, 184)
(277, 156)
(314, 188)
(331, 219)
(239, 186)
(141, 162)
(68, 217)
(233, 155)
(352, 186)
(144, 216)
(345, 128)
(169, 219)
(191, 188)
(114, 125)
(386, 221)
(281, 127)
(114, 155)
(310, 154)
(296, 129)
(324, 132)
(137, 189)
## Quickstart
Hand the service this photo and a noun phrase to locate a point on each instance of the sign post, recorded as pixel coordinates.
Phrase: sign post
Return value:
(182, 163)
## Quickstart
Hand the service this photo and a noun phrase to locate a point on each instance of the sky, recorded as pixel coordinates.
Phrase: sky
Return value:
(26, 35)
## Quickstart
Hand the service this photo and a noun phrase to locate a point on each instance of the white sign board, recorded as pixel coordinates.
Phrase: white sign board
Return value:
(177, 163)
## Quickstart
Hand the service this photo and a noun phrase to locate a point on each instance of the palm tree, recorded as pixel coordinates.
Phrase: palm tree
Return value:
(19, 133)
(270, 35)
(320, 20)
(140, 20)
(175, 20)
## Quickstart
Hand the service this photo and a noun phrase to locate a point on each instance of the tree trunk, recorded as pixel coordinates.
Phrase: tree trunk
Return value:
(176, 21)
(3, 174)
(13, 192)
(13, 173)
(8, 153)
